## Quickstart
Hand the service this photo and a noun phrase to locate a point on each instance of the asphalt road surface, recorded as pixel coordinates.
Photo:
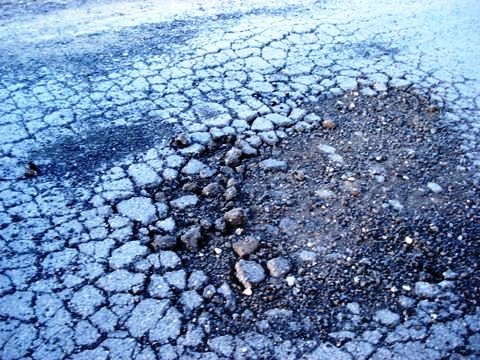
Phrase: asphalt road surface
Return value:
(122, 216)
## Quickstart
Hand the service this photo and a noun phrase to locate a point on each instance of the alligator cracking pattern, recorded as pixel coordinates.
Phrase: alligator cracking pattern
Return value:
(78, 277)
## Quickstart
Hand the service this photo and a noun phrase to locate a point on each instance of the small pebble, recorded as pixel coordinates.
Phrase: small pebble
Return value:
(328, 124)
(434, 187)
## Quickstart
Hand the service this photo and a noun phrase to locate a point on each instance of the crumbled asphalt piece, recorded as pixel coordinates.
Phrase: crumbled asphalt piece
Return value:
(262, 124)
(305, 257)
(176, 278)
(158, 287)
(138, 209)
(192, 237)
(197, 279)
(273, 164)
(164, 242)
(425, 289)
(193, 167)
(232, 157)
(212, 189)
(235, 217)
(249, 273)
(143, 174)
(387, 317)
(184, 202)
(231, 193)
(167, 225)
(169, 259)
(246, 246)
(279, 266)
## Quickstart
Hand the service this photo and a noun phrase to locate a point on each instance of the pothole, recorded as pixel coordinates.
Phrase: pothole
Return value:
(358, 209)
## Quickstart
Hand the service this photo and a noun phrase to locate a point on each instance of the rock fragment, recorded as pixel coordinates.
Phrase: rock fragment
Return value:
(273, 165)
(249, 273)
(211, 189)
(235, 217)
(192, 237)
(184, 202)
(164, 242)
(245, 247)
(279, 266)
(232, 157)
(434, 187)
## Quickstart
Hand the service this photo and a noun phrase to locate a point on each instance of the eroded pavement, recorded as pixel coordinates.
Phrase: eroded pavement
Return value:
(108, 122)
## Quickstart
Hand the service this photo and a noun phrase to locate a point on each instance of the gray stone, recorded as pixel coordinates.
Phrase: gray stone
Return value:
(212, 189)
(327, 149)
(279, 266)
(269, 137)
(184, 202)
(245, 247)
(138, 209)
(235, 217)
(434, 187)
(273, 165)
(305, 257)
(164, 242)
(192, 237)
(232, 157)
(426, 290)
(249, 273)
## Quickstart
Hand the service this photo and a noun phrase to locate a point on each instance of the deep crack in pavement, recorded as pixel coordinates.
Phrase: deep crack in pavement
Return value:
(235, 179)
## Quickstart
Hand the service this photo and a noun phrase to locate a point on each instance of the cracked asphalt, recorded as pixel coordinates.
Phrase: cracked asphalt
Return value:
(109, 115)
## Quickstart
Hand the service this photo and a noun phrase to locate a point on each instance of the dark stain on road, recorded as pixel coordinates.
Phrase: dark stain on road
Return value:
(81, 157)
